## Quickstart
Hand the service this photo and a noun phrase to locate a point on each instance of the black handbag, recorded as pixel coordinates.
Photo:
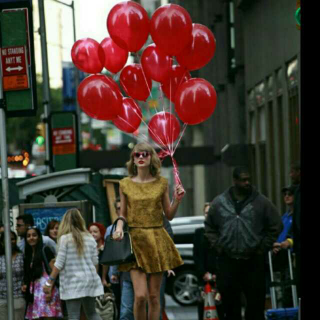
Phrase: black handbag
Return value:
(117, 252)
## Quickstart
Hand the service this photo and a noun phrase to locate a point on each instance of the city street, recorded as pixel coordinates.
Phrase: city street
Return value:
(175, 311)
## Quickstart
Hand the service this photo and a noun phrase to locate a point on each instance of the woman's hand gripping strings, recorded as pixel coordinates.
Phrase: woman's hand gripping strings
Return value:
(169, 208)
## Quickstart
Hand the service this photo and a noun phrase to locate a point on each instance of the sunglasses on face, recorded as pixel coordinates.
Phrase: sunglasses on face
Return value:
(20, 225)
(288, 194)
(144, 154)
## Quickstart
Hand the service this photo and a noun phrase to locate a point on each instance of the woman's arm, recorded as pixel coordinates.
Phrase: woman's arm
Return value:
(123, 213)
(49, 283)
(171, 209)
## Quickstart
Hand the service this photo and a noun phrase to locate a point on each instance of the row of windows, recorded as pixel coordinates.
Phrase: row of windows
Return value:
(274, 130)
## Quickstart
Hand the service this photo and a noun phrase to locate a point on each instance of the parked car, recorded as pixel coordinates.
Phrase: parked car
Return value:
(183, 287)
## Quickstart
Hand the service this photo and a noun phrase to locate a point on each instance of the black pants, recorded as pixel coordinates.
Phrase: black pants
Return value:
(238, 275)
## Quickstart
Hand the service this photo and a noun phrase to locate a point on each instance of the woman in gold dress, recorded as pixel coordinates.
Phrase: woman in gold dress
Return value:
(144, 199)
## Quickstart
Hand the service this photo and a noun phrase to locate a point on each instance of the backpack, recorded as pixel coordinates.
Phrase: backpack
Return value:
(106, 306)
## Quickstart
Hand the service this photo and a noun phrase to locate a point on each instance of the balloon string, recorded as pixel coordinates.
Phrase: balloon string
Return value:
(145, 78)
(141, 136)
(181, 135)
(166, 136)
(141, 118)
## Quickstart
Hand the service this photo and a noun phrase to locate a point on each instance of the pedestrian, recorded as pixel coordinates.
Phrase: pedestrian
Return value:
(77, 266)
(38, 261)
(295, 175)
(98, 230)
(205, 264)
(284, 243)
(111, 275)
(241, 227)
(144, 198)
(127, 292)
(52, 230)
(19, 302)
(23, 222)
(285, 240)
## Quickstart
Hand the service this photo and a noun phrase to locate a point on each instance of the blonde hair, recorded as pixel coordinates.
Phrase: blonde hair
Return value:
(72, 222)
(155, 163)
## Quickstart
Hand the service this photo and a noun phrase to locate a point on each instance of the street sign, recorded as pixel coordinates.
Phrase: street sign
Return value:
(14, 60)
(63, 141)
(17, 72)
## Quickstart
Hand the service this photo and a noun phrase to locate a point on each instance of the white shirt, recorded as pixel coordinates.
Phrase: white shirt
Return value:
(78, 275)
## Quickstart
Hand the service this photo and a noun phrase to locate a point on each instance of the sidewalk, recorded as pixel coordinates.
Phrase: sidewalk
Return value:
(175, 311)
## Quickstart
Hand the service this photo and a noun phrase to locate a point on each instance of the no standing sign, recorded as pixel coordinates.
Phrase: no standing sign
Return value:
(17, 72)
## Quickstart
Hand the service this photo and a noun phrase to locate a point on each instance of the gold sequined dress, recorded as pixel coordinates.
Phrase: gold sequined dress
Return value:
(154, 249)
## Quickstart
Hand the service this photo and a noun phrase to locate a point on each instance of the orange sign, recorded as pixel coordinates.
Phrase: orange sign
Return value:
(64, 149)
(63, 141)
(17, 82)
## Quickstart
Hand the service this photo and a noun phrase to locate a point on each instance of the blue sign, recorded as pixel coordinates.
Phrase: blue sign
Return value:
(69, 92)
(42, 216)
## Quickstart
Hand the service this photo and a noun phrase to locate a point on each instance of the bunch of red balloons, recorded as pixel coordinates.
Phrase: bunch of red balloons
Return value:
(173, 33)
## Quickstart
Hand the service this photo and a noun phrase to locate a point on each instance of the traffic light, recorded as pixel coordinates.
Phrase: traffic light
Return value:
(41, 134)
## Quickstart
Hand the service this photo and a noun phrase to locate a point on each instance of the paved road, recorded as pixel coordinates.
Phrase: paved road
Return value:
(176, 312)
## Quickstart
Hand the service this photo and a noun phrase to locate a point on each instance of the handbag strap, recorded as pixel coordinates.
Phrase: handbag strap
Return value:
(125, 225)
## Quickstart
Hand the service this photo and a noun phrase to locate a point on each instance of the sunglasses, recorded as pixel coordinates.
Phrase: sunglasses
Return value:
(20, 225)
(32, 227)
(144, 154)
(288, 194)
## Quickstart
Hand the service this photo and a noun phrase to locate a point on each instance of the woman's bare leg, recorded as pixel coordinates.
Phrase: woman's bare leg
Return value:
(154, 284)
(140, 286)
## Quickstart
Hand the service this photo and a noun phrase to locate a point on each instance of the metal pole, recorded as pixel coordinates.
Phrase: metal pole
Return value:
(272, 289)
(77, 80)
(5, 201)
(293, 287)
(45, 77)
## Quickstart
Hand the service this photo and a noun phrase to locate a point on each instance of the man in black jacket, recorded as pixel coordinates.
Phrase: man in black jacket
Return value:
(241, 226)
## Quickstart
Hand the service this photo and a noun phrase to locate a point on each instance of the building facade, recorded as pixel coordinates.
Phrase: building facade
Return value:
(256, 73)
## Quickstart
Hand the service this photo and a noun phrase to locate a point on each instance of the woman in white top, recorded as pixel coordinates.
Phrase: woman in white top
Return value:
(77, 263)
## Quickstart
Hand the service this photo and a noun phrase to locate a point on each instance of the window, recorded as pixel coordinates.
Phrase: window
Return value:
(232, 41)
(260, 94)
(270, 88)
(279, 83)
(294, 112)
(294, 124)
(272, 152)
(261, 137)
(262, 150)
(281, 146)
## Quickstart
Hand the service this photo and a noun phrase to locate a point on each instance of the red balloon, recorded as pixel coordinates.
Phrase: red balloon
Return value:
(87, 55)
(115, 57)
(195, 100)
(164, 128)
(99, 97)
(171, 28)
(135, 83)
(200, 51)
(178, 75)
(128, 25)
(156, 64)
(130, 116)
